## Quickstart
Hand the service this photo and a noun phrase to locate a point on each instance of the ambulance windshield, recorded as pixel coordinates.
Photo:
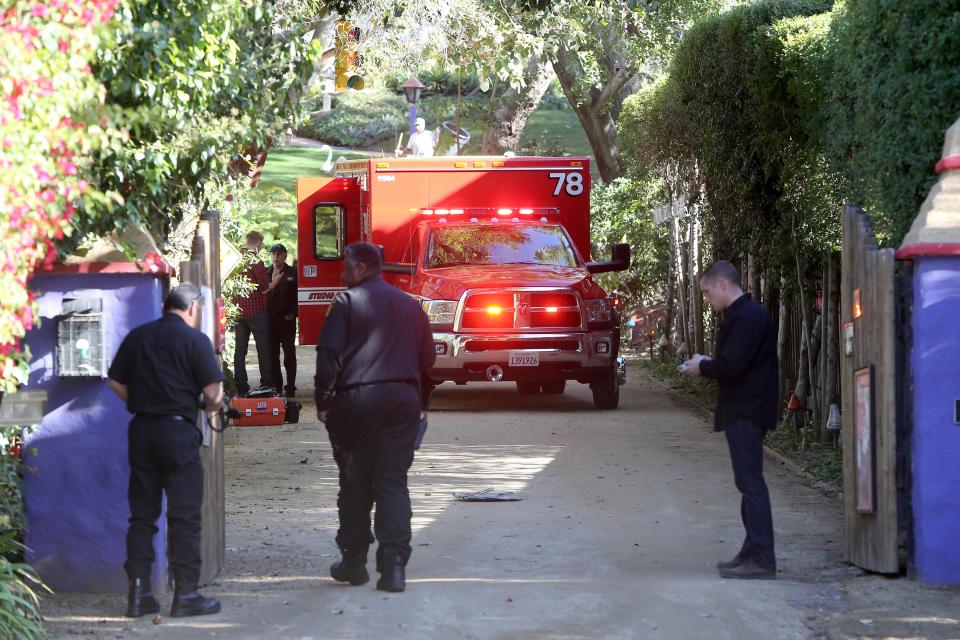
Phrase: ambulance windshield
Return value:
(469, 244)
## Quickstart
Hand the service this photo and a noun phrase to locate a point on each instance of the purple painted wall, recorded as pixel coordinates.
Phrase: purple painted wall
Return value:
(76, 486)
(936, 439)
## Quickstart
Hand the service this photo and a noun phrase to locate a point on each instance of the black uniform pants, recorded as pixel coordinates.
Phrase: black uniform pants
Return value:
(745, 440)
(259, 326)
(283, 334)
(164, 456)
(372, 430)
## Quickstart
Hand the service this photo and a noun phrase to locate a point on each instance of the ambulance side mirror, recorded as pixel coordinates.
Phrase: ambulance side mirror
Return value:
(401, 268)
(619, 260)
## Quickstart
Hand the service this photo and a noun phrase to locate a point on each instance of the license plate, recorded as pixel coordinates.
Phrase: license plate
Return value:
(523, 359)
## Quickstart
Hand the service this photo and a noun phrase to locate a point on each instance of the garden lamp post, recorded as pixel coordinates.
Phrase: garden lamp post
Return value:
(412, 88)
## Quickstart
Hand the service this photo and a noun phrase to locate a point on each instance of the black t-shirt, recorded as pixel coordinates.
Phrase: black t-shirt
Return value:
(373, 333)
(165, 364)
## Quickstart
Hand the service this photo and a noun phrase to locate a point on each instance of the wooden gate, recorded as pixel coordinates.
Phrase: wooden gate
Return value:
(203, 270)
(869, 397)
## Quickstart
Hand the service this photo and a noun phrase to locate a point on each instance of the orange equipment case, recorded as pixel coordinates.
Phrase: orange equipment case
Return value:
(258, 412)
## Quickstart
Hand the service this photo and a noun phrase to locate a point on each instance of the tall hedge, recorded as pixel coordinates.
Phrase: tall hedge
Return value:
(894, 90)
(736, 116)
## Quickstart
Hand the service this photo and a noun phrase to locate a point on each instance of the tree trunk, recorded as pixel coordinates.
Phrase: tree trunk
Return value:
(813, 358)
(832, 366)
(510, 118)
(668, 320)
(782, 339)
(597, 110)
(696, 299)
(682, 290)
(803, 381)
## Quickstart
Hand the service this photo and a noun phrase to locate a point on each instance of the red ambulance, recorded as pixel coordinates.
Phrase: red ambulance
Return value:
(497, 251)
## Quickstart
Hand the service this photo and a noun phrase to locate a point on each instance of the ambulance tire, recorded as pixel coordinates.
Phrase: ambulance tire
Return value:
(528, 387)
(553, 387)
(606, 391)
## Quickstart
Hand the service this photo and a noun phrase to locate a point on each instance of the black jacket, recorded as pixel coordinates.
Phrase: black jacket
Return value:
(282, 300)
(373, 333)
(745, 366)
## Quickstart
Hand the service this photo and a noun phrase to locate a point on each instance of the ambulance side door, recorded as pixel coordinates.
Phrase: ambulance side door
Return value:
(328, 219)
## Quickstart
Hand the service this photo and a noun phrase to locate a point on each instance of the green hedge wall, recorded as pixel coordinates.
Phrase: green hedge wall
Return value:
(894, 90)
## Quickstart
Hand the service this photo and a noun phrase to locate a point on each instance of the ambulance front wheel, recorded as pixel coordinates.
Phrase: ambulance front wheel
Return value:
(606, 391)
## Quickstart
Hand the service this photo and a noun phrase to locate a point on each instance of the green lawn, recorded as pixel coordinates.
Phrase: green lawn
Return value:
(285, 164)
(274, 201)
(560, 126)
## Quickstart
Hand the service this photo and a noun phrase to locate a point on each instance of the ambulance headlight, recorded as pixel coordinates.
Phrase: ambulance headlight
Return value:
(599, 310)
(440, 311)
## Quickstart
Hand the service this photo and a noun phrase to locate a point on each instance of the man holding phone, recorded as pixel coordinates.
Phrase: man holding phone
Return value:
(745, 368)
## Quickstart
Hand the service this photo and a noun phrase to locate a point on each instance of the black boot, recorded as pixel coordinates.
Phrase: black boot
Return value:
(187, 601)
(393, 578)
(140, 601)
(352, 568)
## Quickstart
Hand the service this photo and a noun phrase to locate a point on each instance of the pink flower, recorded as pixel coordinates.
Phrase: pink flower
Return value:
(45, 86)
(48, 196)
(64, 45)
(42, 174)
(68, 167)
(39, 11)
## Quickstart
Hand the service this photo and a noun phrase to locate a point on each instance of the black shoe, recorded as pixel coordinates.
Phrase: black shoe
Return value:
(750, 570)
(392, 579)
(291, 392)
(351, 571)
(140, 601)
(738, 560)
(193, 603)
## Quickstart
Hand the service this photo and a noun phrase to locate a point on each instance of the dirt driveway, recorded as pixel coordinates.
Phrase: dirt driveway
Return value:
(624, 515)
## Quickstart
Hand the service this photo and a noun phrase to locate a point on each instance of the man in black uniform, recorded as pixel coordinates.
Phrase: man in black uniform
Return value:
(745, 368)
(375, 345)
(160, 371)
(282, 311)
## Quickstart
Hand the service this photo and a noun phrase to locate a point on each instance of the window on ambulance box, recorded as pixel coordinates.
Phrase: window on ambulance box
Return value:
(459, 245)
(328, 231)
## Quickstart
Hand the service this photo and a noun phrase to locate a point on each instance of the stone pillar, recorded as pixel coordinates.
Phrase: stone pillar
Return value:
(933, 245)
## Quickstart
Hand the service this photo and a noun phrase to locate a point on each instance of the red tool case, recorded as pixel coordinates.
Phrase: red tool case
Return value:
(257, 412)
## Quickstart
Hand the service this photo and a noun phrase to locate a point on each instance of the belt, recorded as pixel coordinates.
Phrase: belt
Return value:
(164, 416)
(351, 387)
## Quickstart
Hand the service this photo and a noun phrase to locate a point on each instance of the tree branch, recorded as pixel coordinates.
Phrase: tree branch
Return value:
(613, 88)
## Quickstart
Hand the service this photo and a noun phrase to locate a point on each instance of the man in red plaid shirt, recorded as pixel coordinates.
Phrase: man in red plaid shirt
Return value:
(253, 319)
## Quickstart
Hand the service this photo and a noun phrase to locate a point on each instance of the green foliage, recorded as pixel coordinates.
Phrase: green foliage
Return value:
(12, 516)
(190, 85)
(621, 212)
(738, 117)
(554, 97)
(19, 605)
(358, 119)
(893, 91)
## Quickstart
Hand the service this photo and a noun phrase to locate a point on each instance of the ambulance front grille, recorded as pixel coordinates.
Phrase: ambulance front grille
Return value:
(524, 310)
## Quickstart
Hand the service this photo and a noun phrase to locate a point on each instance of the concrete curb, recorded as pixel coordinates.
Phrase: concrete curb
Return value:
(772, 454)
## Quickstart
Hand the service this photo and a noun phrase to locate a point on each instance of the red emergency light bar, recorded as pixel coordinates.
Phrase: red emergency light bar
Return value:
(489, 211)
